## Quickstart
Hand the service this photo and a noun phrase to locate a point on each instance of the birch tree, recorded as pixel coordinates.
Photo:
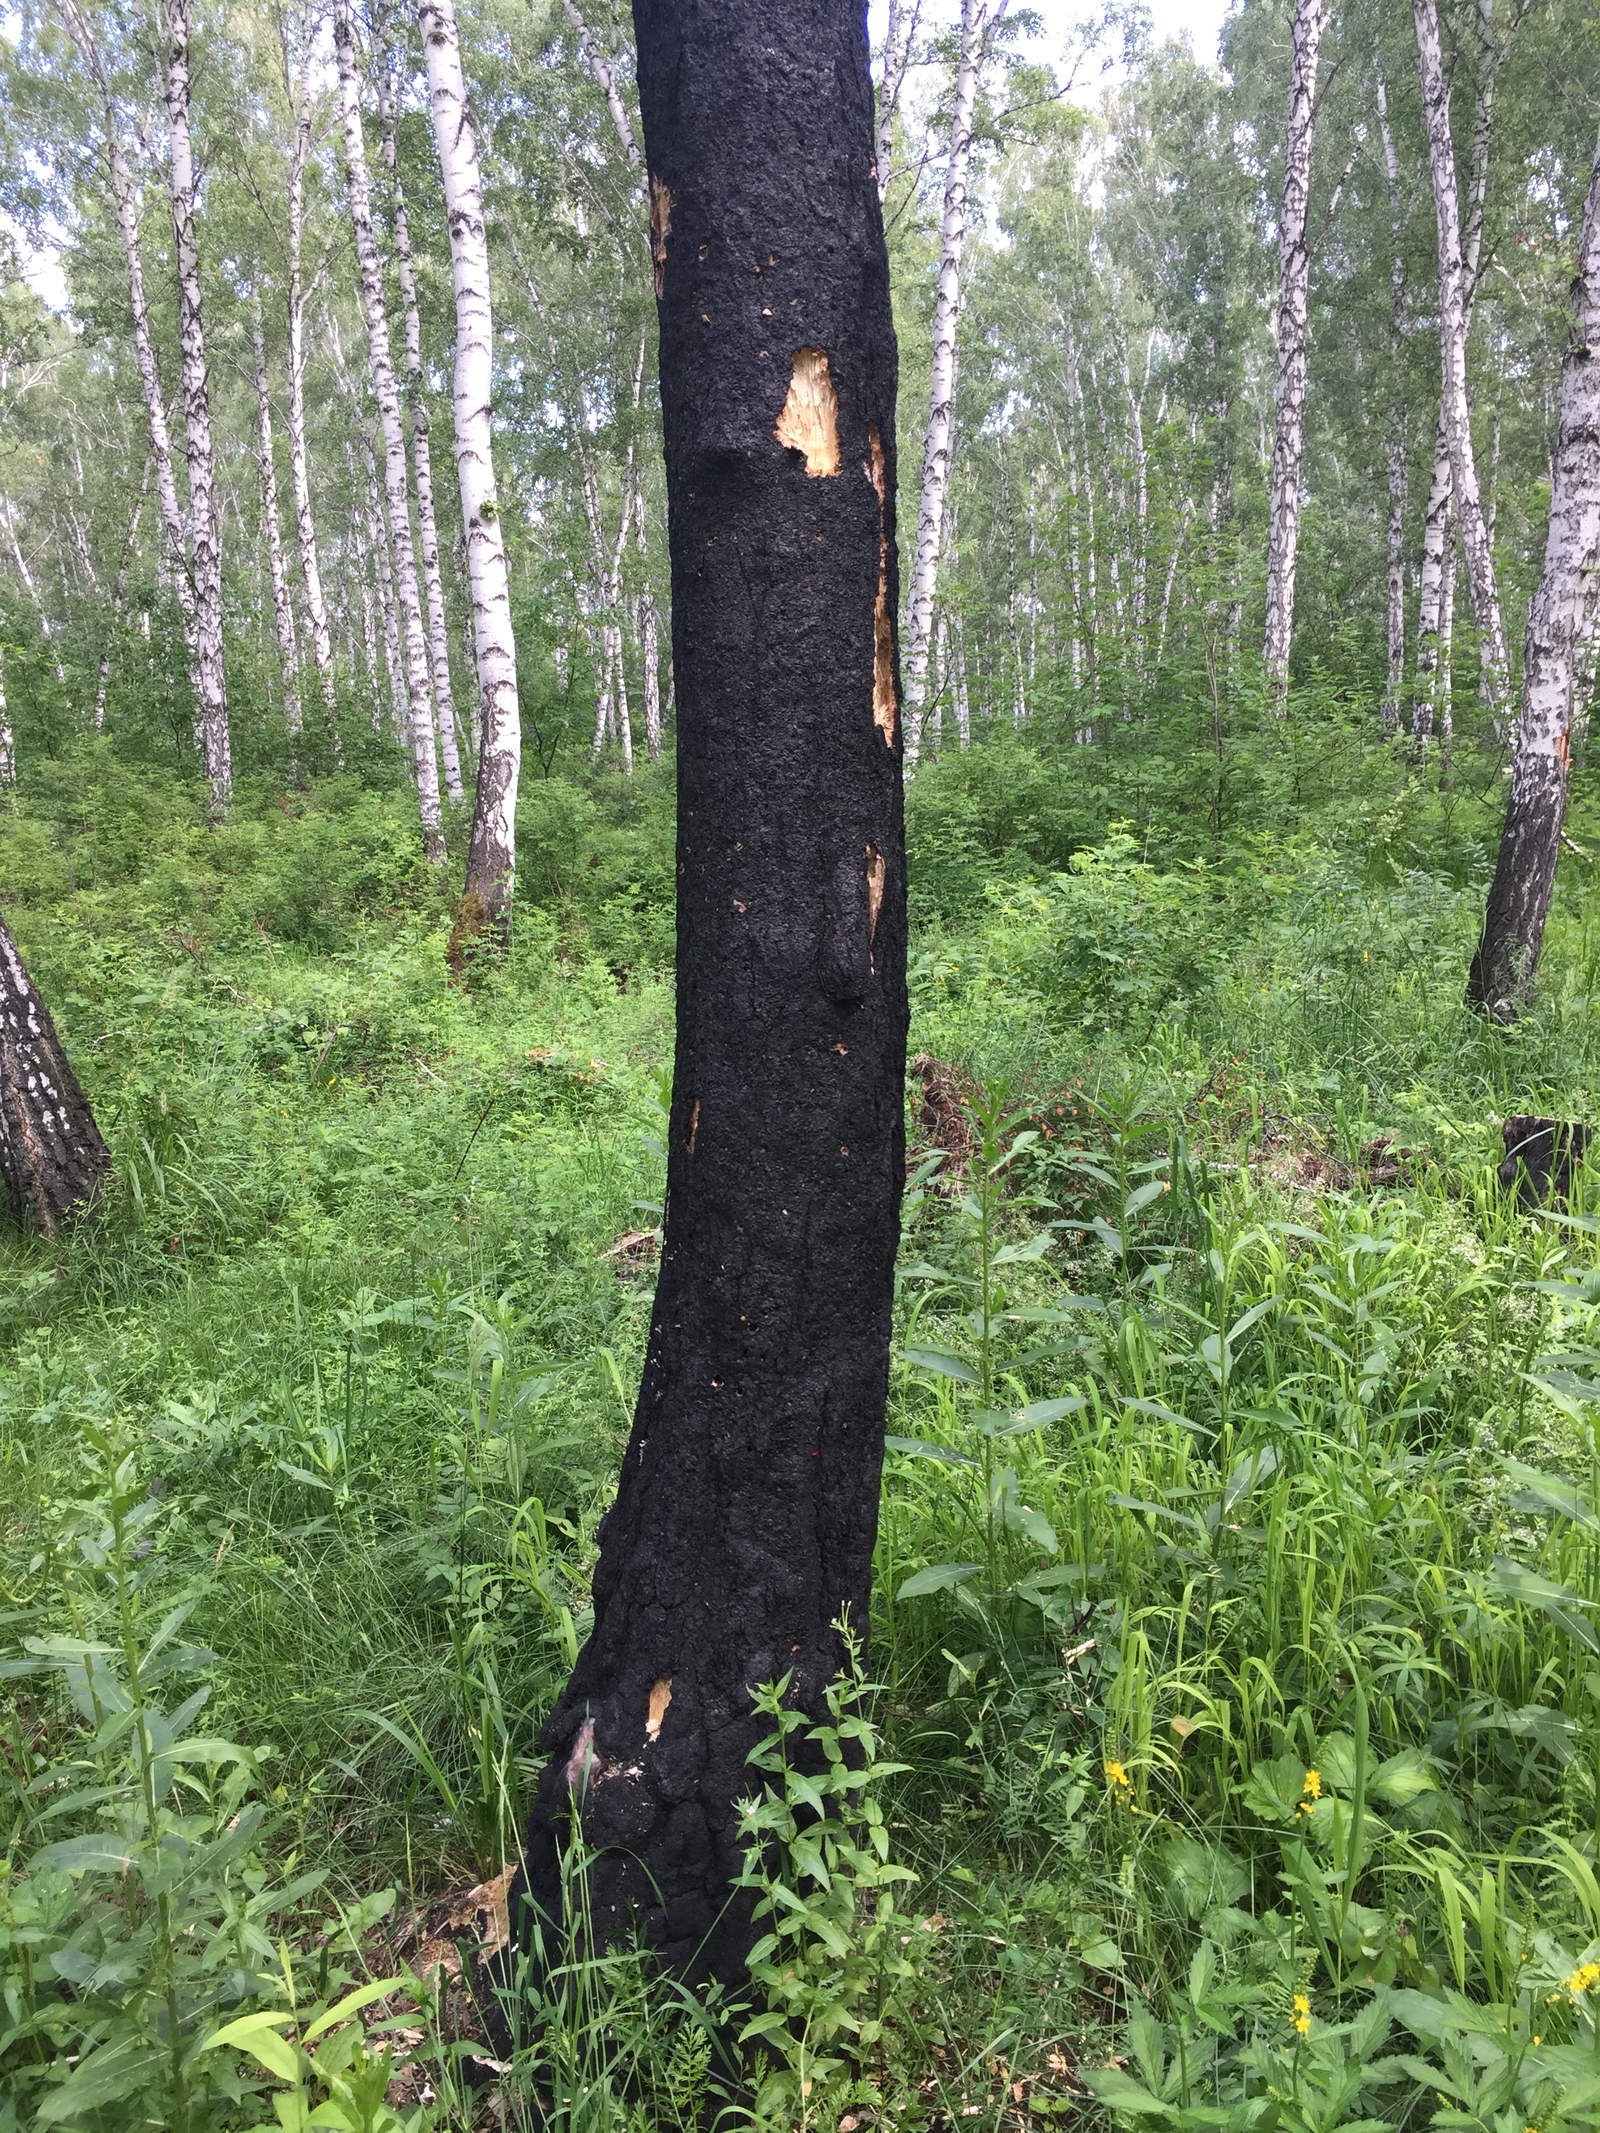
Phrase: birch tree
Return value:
(282, 608)
(1503, 970)
(174, 565)
(1395, 449)
(1454, 408)
(421, 450)
(205, 521)
(1294, 287)
(299, 79)
(492, 852)
(396, 485)
(978, 18)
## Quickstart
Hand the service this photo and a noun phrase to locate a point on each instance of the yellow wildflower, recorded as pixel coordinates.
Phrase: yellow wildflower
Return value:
(1312, 1788)
(1582, 1978)
(1302, 2014)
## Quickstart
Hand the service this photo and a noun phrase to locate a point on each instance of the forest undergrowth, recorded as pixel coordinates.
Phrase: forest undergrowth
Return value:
(1231, 1756)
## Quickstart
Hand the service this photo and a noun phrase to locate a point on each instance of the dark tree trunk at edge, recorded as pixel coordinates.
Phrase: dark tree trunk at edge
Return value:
(51, 1153)
(748, 1502)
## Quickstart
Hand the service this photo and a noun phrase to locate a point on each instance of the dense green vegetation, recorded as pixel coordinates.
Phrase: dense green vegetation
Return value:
(1229, 1447)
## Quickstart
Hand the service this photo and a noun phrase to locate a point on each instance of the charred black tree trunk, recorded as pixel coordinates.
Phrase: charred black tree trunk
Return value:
(51, 1153)
(747, 1507)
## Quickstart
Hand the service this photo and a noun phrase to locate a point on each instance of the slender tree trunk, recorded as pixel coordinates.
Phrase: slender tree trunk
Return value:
(30, 585)
(1455, 412)
(124, 200)
(976, 21)
(492, 853)
(1507, 961)
(1395, 674)
(51, 1155)
(396, 482)
(205, 524)
(119, 594)
(421, 452)
(282, 610)
(299, 458)
(900, 29)
(649, 649)
(1431, 595)
(8, 746)
(1139, 566)
(1294, 287)
(604, 75)
(744, 1522)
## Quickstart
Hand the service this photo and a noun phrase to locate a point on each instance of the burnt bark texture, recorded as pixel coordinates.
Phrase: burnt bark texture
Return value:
(51, 1154)
(747, 1507)
(1543, 1157)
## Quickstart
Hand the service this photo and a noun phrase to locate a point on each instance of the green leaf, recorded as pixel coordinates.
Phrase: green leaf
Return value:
(351, 2004)
(1119, 2092)
(1018, 1254)
(103, 1852)
(919, 1448)
(1248, 1474)
(942, 1364)
(1039, 1412)
(938, 1577)
(1403, 1778)
(257, 2034)
(105, 2076)
(1550, 1493)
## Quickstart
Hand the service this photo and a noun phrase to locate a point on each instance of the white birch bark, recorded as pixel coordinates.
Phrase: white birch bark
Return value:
(1294, 285)
(8, 746)
(30, 585)
(174, 566)
(1559, 619)
(492, 851)
(1395, 669)
(1139, 567)
(649, 647)
(396, 481)
(299, 458)
(977, 18)
(421, 452)
(119, 593)
(205, 526)
(604, 76)
(282, 608)
(1455, 411)
(899, 31)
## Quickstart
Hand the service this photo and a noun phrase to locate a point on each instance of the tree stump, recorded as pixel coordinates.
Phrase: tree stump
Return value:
(1542, 1156)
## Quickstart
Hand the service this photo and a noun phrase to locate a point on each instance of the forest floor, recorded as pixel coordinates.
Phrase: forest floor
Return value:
(1244, 1678)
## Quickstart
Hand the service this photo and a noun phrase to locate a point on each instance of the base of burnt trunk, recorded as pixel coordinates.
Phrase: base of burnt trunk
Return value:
(51, 1154)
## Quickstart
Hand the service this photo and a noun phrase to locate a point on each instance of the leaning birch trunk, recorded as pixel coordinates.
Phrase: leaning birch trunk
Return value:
(1507, 961)
(396, 482)
(421, 453)
(47, 628)
(51, 1155)
(299, 461)
(1288, 445)
(1455, 413)
(492, 851)
(975, 23)
(205, 524)
(604, 75)
(282, 610)
(8, 746)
